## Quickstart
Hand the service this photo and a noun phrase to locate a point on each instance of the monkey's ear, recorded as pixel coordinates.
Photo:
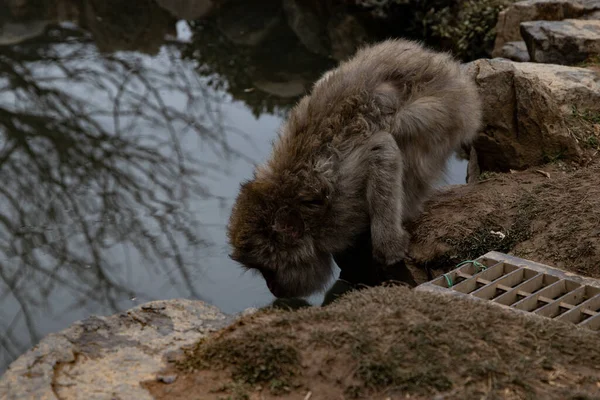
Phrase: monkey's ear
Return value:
(289, 222)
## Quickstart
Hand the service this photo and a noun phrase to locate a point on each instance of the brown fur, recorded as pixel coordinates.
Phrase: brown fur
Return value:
(360, 152)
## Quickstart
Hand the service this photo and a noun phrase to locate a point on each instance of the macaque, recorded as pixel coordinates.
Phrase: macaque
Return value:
(358, 154)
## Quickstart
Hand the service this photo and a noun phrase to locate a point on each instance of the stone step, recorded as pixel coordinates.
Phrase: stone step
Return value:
(510, 19)
(566, 42)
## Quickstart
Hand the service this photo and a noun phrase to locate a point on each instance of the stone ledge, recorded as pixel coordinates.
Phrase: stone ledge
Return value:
(99, 357)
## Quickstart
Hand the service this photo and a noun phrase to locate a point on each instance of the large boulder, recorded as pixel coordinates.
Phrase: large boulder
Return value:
(567, 42)
(528, 111)
(108, 357)
(509, 20)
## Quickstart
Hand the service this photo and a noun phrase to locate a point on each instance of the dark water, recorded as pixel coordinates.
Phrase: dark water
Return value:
(125, 130)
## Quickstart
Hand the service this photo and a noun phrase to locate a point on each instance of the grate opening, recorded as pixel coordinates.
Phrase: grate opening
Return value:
(504, 284)
(587, 310)
(546, 296)
(525, 288)
(528, 287)
(568, 301)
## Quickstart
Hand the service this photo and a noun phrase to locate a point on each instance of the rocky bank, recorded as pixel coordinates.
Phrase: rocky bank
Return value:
(534, 175)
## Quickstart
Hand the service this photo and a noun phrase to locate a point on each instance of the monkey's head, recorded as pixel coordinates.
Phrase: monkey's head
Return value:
(275, 228)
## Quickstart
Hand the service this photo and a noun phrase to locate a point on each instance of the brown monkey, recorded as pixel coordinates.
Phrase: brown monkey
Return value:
(359, 153)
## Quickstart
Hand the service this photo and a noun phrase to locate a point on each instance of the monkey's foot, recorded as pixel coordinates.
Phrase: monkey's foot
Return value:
(392, 249)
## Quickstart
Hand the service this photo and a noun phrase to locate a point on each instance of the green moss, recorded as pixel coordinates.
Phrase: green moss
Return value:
(485, 175)
(253, 360)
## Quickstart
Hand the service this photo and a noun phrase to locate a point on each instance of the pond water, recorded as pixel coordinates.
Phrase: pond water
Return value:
(125, 131)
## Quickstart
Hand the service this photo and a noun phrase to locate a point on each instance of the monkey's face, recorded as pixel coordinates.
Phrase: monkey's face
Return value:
(275, 229)
(300, 279)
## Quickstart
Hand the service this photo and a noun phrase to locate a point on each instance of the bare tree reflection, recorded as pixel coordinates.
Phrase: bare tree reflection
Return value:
(92, 163)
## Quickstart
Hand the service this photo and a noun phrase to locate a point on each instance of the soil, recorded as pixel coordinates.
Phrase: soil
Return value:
(390, 343)
(547, 214)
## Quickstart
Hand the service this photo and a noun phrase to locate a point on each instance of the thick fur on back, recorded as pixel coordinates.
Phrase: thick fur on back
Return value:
(322, 185)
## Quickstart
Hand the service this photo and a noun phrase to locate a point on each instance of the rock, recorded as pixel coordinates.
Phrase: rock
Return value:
(346, 34)
(561, 42)
(107, 357)
(509, 20)
(17, 32)
(248, 25)
(527, 111)
(307, 26)
(187, 9)
(516, 51)
(288, 89)
(168, 379)
(590, 5)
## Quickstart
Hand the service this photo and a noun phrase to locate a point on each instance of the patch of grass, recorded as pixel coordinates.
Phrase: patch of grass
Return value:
(254, 360)
(237, 391)
(483, 240)
(550, 158)
(590, 116)
(592, 141)
(590, 61)
(485, 175)
(585, 125)
(382, 369)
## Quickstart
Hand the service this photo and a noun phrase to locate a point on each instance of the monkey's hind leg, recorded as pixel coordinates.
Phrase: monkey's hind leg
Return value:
(385, 199)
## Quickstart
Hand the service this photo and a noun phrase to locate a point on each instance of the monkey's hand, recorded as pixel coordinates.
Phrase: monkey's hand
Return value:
(390, 245)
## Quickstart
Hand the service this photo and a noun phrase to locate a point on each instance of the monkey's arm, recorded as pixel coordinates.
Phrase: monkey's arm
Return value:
(385, 199)
(427, 115)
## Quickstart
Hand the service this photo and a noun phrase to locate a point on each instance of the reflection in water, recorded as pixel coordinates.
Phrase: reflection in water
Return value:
(122, 147)
(94, 174)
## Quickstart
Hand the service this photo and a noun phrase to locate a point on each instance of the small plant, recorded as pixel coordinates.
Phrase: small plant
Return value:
(591, 60)
(485, 175)
(586, 127)
(592, 141)
(593, 117)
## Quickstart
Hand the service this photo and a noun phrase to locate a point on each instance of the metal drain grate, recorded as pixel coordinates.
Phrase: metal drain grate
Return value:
(525, 286)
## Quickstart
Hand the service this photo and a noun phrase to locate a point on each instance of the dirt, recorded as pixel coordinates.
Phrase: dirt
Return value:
(547, 214)
(390, 343)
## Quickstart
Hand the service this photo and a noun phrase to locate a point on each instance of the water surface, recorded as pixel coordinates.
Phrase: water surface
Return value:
(125, 130)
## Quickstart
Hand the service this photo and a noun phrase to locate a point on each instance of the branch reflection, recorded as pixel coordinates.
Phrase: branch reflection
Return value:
(96, 173)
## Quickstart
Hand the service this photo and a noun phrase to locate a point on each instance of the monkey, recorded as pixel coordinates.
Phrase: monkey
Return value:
(359, 153)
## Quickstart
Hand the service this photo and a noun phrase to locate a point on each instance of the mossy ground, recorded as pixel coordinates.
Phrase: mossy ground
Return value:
(390, 343)
(547, 214)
